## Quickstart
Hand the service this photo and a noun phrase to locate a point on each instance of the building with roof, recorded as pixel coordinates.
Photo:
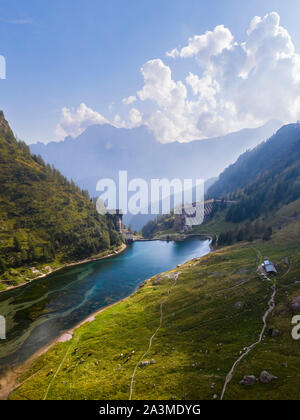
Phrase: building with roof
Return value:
(269, 267)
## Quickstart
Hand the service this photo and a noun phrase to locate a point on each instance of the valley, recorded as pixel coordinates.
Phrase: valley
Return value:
(212, 314)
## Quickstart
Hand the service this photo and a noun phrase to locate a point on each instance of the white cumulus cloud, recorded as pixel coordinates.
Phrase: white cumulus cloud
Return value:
(205, 46)
(239, 84)
(129, 100)
(74, 122)
(135, 117)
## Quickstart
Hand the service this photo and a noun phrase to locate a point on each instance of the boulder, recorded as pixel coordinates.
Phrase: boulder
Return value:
(239, 305)
(295, 304)
(265, 377)
(248, 380)
(286, 261)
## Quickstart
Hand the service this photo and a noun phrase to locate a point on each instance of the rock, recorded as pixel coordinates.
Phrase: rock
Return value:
(295, 304)
(215, 396)
(248, 380)
(265, 377)
(144, 363)
(275, 333)
(152, 362)
(286, 261)
(239, 305)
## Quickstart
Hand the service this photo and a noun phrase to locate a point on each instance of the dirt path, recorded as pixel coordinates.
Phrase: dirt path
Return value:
(58, 369)
(271, 306)
(152, 337)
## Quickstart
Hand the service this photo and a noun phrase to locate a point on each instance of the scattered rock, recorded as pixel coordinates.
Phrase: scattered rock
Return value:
(215, 396)
(152, 362)
(265, 377)
(248, 380)
(144, 363)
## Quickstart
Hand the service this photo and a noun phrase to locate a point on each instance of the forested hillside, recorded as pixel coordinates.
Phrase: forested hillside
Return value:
(261, 182)
(264, 179)
(44, 217)
(268, 155)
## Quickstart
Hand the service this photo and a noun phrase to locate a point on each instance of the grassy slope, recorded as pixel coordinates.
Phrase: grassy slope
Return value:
(199, 315)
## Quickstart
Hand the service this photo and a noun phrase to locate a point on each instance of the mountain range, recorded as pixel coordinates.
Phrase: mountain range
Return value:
(101, 151)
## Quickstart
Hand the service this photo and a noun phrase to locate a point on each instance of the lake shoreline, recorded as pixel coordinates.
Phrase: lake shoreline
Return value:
(9, 382)
(73, 264)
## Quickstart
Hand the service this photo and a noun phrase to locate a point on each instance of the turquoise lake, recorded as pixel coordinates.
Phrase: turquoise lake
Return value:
(37, 313)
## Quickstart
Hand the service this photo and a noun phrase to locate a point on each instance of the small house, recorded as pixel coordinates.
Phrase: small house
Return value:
(269, 267)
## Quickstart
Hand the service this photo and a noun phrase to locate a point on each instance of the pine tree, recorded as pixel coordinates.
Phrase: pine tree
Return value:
(2, 266)
(17, 245)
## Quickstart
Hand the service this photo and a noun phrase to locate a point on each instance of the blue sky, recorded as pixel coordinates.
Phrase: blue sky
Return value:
(61, 53)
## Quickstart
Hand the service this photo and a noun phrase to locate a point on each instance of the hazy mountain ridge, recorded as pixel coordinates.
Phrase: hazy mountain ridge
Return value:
(101, 151)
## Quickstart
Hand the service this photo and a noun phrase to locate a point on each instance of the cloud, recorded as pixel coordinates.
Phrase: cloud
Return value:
(74, 122)
(205, 46)
(239, 84)
(129, 100)
(170, 119)
(135, 117)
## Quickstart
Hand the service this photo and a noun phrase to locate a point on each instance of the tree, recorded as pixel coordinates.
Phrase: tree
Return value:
(2, 266)
(17, 245)
(214, 240)
(32, 253)
(240, 235)
(267, 234)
